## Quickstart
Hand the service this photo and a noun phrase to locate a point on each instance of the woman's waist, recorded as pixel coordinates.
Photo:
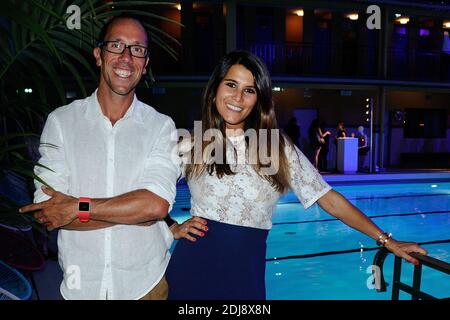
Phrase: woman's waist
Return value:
(253, 220)
(233, 232)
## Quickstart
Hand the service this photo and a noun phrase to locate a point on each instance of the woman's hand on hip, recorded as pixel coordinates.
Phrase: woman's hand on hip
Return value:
(193, 226)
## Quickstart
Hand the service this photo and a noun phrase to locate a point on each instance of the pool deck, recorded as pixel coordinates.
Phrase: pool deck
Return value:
(389, 176)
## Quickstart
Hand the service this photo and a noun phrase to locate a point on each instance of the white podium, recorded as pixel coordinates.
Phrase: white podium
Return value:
(347, 155)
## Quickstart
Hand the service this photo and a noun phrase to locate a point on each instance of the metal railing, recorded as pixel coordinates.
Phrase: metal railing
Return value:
(300, 58)
(346, 60)
(415, 64)
(413, 290)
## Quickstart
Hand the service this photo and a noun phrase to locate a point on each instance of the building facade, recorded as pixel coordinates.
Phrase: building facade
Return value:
(328, 59)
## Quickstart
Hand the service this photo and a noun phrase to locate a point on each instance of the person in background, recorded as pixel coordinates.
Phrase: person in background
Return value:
(293, 131)
(323, 154)
(363, 148)
(341, 132)
(317, 140)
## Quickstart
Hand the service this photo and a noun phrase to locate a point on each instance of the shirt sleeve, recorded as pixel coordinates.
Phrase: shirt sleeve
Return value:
(52, 168)
(162, 168)
(305, 181)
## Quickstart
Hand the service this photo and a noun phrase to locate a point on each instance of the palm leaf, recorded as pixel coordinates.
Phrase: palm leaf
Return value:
(18, 17)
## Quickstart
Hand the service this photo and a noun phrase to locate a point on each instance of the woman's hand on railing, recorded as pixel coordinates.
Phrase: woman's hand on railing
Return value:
(402, 249)
(194, 225)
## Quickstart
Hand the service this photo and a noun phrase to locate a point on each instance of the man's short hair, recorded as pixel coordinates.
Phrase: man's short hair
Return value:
(104, 30)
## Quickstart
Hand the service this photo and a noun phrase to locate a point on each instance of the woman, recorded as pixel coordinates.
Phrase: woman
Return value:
(363, 148)
(323, 153)
(341, 131)
(317, 138)
(233, 202)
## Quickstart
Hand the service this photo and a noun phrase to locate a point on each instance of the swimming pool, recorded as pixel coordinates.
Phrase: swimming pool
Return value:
(311, 255)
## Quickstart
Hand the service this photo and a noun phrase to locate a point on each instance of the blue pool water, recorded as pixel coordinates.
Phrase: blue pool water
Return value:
(304, 247)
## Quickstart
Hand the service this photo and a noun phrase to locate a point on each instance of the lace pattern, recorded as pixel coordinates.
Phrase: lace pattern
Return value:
(245, 198)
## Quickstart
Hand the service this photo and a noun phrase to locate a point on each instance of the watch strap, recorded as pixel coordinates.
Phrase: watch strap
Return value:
(84, 215)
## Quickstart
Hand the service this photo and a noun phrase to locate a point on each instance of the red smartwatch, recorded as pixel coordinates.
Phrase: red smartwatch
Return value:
(84, 207)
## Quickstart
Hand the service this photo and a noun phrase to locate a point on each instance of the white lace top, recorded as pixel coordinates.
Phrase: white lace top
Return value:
(245, 198)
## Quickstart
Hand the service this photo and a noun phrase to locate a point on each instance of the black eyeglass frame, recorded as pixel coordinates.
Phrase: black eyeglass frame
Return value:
(102, 44)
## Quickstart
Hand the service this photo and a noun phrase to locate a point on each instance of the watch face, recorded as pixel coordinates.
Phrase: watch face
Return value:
(83, 206)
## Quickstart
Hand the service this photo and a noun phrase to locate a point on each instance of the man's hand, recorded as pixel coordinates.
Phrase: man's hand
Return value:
(58, 211)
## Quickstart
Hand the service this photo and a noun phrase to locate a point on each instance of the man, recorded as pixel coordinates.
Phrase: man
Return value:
(112, 177)
(293, 131)
(363, 148)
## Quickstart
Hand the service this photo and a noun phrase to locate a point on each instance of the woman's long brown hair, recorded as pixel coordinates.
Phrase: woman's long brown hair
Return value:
(261, 117)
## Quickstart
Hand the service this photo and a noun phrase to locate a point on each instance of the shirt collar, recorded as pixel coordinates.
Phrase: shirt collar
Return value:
(94, 110)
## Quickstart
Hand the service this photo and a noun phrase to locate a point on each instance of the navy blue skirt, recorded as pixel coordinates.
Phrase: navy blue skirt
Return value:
(228, 263)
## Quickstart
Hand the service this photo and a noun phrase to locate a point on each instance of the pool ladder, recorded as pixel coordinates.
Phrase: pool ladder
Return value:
(414, 291)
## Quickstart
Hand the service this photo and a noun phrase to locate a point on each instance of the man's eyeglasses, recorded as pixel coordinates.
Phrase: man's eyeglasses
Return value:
(119, 47)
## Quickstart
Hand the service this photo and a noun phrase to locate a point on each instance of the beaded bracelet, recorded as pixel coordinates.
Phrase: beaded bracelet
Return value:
(383, 239)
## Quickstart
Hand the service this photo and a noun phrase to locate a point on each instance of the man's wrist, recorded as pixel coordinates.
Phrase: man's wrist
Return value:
(74, 208)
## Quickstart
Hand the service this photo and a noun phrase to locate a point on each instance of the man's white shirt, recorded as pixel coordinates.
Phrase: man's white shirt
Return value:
(91, 158)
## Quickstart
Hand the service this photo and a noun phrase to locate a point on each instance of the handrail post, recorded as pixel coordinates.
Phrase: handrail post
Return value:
(416, 281)
(396, 278)
(397, 285)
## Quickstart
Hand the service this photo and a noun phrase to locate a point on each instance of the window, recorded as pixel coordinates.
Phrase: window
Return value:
(425, 123)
